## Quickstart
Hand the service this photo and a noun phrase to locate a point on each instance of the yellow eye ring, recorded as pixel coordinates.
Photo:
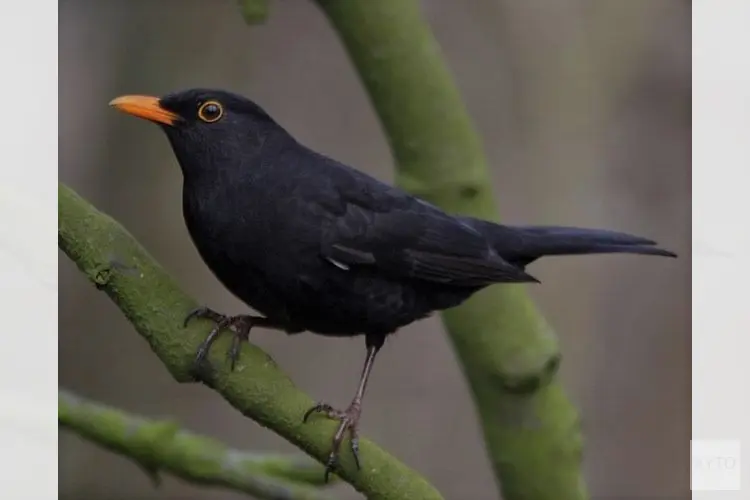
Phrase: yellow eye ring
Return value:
(210, 111)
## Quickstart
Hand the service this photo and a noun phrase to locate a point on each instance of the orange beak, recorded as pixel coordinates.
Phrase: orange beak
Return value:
(145, 107)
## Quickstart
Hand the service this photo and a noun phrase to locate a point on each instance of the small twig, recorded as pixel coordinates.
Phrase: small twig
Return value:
(254, 11)
(162, 446)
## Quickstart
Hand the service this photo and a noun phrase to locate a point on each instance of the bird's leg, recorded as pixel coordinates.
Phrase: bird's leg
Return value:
(240, 326)
(349, 418)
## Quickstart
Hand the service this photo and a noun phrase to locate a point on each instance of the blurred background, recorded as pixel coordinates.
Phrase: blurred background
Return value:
(584, 110)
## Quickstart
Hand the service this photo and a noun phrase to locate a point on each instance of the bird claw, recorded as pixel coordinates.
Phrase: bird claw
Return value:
(349, 420)
(203, 312)
(239, 325)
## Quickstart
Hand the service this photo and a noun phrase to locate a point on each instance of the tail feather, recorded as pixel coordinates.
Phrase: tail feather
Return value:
(522, 245)
(573, 235)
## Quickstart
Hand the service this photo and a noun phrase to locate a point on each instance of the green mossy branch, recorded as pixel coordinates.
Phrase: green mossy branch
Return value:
(507, 351)
(151, 300)
(162, 446)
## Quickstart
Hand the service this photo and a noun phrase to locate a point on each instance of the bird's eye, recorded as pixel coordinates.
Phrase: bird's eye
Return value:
(210, 111)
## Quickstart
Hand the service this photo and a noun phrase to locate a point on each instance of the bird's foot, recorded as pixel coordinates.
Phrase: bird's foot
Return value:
(240, 326)
(349, 419)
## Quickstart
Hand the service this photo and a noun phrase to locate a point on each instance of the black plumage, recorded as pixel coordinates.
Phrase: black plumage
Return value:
(315, 245)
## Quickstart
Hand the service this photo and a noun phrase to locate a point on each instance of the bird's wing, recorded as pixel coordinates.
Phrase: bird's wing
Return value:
(407, 238)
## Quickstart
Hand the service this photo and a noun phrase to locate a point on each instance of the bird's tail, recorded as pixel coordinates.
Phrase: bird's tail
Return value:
(522, 245)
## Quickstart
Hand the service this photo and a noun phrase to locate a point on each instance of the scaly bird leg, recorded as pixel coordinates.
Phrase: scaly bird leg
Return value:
(349, 418)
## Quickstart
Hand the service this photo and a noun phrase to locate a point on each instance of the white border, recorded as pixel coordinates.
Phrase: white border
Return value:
(28, 278)
(28, 254)
(721, 224)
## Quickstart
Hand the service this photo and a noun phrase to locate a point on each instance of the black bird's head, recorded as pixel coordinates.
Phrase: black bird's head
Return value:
(208, 129)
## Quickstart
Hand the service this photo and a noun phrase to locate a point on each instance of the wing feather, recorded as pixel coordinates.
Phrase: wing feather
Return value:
(416, 241)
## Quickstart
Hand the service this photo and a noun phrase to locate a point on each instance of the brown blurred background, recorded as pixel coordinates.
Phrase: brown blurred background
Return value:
(584, 110)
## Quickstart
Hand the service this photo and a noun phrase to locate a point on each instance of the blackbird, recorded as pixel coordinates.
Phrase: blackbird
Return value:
(315, 245)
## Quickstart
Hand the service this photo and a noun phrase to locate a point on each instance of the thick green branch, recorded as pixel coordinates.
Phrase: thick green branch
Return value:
(507, 351)
(151, 300)
(162, 445)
